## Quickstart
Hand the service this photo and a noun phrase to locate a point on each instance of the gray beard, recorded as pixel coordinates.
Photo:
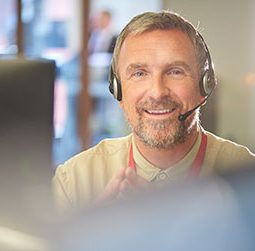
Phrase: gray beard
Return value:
(162, 139)
(165, 133)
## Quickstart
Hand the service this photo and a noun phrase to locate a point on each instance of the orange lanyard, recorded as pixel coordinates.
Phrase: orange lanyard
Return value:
(196, 164)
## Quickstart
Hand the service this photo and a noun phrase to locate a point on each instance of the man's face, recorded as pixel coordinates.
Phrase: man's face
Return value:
(159, 78)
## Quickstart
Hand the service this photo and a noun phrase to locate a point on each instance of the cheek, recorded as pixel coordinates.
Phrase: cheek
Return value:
(189, 96)
(131, 96)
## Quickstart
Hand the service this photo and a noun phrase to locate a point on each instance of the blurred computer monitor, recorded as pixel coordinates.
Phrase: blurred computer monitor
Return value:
(26, 129)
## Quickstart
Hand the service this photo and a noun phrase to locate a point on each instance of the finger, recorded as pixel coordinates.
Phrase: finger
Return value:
(124, 186)
(120, 173)
(112, 188)
(126, 189)
(130, 174)
(142, 182)
(109, 193)
(134, 179)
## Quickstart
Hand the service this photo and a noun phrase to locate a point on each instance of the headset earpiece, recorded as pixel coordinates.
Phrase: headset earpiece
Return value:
(207, 83)
(114, 85)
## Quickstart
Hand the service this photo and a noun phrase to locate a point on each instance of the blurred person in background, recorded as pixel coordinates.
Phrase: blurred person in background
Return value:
(102, 37)
(161, 74)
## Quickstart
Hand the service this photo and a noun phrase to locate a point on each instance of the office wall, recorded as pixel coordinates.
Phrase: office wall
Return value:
(228, 28)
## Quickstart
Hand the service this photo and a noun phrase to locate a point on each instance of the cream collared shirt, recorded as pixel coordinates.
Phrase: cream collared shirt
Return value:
(84, 177)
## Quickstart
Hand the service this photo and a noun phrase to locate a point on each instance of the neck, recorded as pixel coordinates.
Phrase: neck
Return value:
(165, 158)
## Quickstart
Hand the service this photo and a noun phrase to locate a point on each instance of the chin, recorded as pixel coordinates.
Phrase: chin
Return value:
(165, 135)
(161, 138)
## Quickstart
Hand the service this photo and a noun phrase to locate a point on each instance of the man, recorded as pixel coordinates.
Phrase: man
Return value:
(161, 74)
(102, 37)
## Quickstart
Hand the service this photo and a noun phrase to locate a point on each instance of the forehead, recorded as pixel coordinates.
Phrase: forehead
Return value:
(170, 36)
(157, 44)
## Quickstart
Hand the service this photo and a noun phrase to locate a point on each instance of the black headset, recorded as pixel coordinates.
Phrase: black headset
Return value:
(114, 85)
(207, 82)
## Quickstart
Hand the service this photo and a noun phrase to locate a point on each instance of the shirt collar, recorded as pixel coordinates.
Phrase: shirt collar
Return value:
(148, 171)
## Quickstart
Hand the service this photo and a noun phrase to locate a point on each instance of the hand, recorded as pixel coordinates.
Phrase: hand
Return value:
(112, 189)
(132, 183)
(124, 182)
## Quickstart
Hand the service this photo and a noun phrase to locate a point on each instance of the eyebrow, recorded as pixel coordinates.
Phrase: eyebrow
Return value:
(180, 63)
(136, 66)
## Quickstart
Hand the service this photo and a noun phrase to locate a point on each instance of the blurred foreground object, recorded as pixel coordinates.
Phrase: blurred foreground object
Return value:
(26, 110)
(206, 214)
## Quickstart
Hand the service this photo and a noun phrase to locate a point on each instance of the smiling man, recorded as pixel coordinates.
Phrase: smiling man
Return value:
(161, 74)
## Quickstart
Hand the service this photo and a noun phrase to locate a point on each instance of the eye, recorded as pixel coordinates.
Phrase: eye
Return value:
(138, 74)
(177, 73)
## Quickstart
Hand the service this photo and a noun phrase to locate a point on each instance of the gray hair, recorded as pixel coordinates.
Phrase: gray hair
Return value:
(164, 20)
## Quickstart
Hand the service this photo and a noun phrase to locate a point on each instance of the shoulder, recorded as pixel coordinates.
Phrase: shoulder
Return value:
(225, 153)
(106, 149)
(227, 146)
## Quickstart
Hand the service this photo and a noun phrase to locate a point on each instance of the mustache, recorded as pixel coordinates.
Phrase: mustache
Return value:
(164, 102)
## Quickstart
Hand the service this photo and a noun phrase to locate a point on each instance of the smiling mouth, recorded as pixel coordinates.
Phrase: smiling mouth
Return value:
(159, 112)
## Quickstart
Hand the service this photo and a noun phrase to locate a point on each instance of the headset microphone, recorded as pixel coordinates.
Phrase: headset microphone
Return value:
(183, 117)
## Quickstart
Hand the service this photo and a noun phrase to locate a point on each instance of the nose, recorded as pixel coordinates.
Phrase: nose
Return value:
(158, 87)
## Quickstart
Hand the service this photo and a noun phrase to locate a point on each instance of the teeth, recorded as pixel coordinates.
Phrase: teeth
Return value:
(159, 111)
